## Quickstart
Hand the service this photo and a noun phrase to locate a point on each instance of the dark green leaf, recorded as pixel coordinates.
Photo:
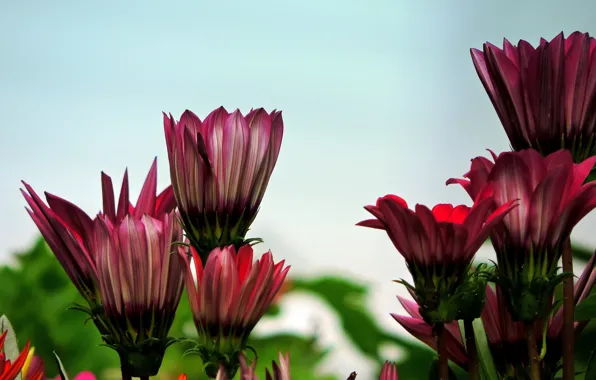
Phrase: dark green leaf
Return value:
(582, 253)
(586, 310)
(591, 369)
(433, 374)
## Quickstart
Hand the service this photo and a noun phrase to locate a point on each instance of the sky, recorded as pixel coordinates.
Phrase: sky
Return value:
(377, 97)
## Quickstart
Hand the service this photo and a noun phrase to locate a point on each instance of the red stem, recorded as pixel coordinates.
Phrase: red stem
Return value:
(442, 351)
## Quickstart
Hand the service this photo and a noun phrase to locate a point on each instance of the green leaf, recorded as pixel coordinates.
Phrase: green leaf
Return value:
(11, 345)
(433, 374)
(582, 253)
(591, 369)
(488, 371)
(61, 369)
(586, 310)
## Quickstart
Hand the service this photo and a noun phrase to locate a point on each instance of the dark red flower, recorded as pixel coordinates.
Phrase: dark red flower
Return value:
(544, 96)
(552, 200)
(438, 246)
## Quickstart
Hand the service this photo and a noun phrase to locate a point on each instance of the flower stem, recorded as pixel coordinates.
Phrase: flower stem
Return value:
(126, 376)
(144, 377)
(442, 351)
(568, 311)
(473, 365)
(533, 358)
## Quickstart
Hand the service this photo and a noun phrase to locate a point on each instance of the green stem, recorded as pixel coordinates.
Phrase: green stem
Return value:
(442, 351)
(472, 351)
(568, 311)
(533, 357)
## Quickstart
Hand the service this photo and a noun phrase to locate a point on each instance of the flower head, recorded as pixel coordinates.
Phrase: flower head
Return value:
(552, 200)
(69, 231)
(228, 298)
(220, 168)
(544, 96)
(8, 370)
(438, 246)
(140, 282)
(389, 371)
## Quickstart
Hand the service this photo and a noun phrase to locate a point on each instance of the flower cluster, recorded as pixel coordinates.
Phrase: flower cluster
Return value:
(132, 262)
(527, 201)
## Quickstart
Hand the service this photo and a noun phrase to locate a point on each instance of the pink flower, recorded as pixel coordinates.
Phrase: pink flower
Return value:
(229, 297)
(544, 96)
(70, 232)
(220, 168)
(552, 200)
(389, 371)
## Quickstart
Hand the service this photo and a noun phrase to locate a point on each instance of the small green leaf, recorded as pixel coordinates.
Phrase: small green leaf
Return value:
(586, 310)
(591, 368)
(433, 374)
(61, 369)
(11, 346)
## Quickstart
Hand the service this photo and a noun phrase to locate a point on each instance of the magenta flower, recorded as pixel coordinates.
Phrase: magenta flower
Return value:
(389, 371)
(121, 263)
(69, 231)
(552, 200)
(438, 247)
(228, 298)
(220, 168)
(544, 96)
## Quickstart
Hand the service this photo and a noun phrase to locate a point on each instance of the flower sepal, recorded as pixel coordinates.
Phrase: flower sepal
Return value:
(141, 359)
(529, 300)
(216, 360)
(213, 234)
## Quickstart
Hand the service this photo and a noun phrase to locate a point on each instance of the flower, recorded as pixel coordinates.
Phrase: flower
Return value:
(438, 247)
(140, 282)
(279, 371)
(544, 96)
(8, 370)
(552, 200)
(389, 371)
(220, 169)
(120, 262)
(230, 295)
(69, 231)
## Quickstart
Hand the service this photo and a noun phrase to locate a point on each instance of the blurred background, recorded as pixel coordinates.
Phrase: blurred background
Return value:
(377, 96)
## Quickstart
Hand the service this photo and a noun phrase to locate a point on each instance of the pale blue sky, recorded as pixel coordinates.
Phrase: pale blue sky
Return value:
(377, 97)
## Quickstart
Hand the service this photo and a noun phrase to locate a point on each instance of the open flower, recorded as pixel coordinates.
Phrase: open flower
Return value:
(438, 246)
(529, 241)
(228, 298)
(220, 168)
(544, 96)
